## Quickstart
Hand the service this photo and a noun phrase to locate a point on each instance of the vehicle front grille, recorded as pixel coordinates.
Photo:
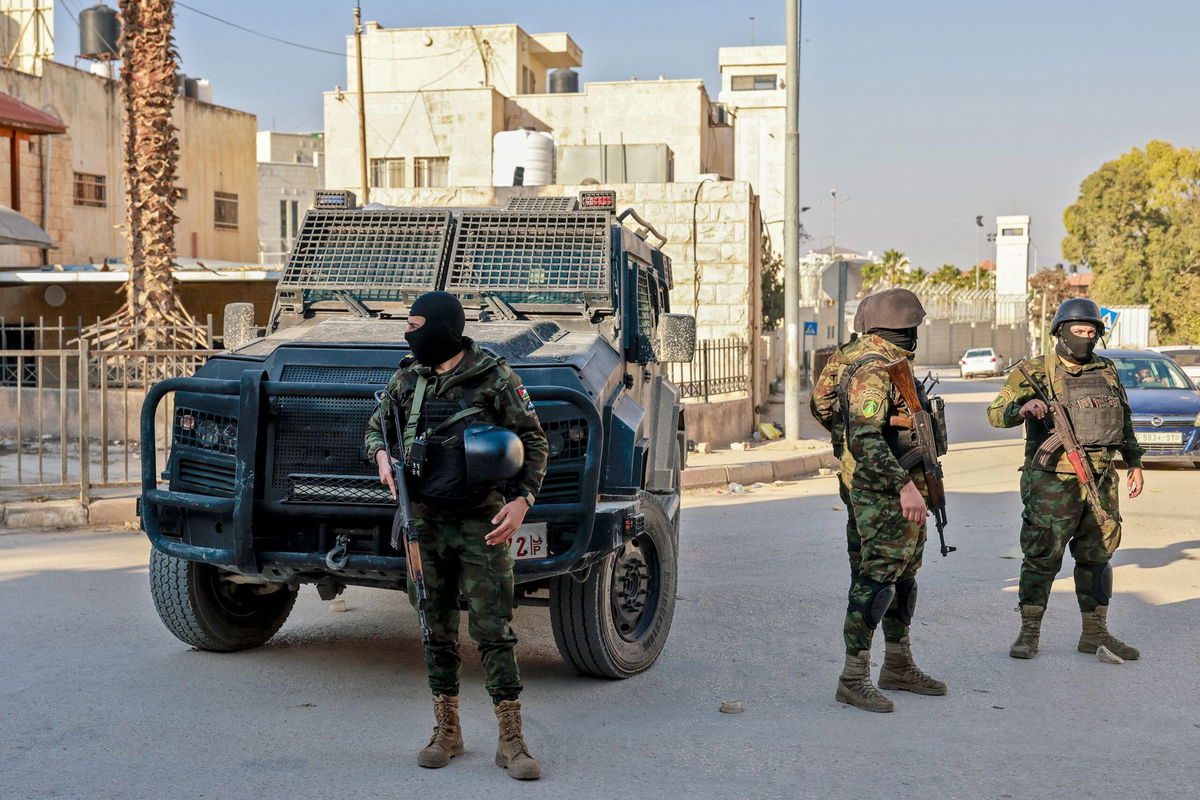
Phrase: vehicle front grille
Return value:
(568, 438)
(1164, 449)
(561, 486)
(320, 435)
(313, 373)
(355, 490)
(1144, 420)
(205, 431)
(205, 477)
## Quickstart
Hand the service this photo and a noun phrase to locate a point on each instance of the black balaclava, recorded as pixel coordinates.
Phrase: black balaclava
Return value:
(440, 338)
(904, 338)
(1075, 348)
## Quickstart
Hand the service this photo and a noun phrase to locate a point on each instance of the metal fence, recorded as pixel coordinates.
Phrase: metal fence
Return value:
(720, 366)
(69, 415)
(952, 303)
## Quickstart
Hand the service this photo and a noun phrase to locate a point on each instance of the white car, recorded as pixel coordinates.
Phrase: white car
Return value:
(1186, 356)
(980, 361)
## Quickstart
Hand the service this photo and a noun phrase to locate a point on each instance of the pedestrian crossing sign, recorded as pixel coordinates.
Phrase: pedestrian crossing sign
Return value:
(810, 329)
(1109, 316)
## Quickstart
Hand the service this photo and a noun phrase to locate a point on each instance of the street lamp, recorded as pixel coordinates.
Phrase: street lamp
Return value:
(979, 226)
(841, 265)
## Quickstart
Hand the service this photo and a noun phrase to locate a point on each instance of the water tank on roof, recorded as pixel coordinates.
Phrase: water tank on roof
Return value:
(564, 81)
(522, 158)
(204, 91)
(99, 30)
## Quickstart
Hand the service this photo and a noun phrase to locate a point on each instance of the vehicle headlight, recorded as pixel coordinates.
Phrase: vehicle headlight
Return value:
(215, 435)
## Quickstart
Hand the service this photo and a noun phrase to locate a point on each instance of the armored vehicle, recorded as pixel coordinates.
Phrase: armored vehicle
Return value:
(267, 485)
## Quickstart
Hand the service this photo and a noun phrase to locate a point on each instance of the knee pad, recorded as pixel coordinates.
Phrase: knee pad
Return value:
(1094, 580)
(906, 600)
(877, 603)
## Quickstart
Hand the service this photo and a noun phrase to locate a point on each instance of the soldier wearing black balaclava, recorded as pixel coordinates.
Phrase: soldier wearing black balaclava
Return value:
(1056, 512)
(444, 386)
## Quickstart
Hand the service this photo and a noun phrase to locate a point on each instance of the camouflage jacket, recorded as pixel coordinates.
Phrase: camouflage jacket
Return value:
(867, 458)
(824, 400)
(1004, 412)
(498, 392)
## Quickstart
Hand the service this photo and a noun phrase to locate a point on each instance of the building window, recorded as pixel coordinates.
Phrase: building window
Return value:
(283, 226)
(387, 173)
(90, 190)
(1012, 232)
(740, 83)
(225, 211)
(180, 193)
(431, 171)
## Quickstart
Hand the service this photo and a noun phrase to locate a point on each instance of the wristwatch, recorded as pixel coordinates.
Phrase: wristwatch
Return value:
(527, 497)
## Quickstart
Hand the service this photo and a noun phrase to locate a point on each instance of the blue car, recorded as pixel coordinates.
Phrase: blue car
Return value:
(1165, 404)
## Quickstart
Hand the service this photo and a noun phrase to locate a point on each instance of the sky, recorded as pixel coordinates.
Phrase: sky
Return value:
(921, 114)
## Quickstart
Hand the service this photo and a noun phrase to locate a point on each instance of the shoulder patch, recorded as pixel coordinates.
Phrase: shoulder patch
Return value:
(1004, 398)
(523, 394)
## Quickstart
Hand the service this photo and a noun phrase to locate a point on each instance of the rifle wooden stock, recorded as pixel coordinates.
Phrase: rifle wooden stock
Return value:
(1060, 424)
(902, 378)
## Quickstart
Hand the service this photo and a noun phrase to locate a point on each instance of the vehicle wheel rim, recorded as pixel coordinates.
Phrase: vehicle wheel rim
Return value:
(233, 599)
(635, 588)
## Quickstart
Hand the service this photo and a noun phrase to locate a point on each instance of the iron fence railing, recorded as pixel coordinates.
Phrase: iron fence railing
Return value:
(719, 367)
(953, 303)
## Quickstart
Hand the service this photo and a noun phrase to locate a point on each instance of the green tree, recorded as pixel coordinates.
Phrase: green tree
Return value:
(947, 274)
(893, 264)
(772, 290)
(1135, 225)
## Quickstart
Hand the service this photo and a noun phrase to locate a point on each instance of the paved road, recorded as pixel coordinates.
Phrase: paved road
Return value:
(97, 700)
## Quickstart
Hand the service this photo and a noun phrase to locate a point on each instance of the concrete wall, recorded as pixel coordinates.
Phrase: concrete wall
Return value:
(760, 124)
(719, 422)
(281, 182)
(941, 342)
(217, 153)
(120, 407)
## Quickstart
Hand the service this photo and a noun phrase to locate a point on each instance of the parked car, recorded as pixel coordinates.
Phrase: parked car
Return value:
(1186, 356)
(1165, 405)
(980, 361)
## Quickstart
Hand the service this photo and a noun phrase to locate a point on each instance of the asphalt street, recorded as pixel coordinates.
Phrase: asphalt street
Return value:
(98, 700)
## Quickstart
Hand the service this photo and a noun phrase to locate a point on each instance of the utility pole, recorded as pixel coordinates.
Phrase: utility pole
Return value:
(978, 232)
(842, 269)
(362, 107)
(791, 229)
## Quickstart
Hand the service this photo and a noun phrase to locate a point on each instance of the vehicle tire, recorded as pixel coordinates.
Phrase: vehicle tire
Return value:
(212, 614)
(615, 622)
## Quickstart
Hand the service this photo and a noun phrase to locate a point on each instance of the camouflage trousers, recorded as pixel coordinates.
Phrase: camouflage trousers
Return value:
(456, 561)
(1056, 515)
(853, 542)
(890, 551)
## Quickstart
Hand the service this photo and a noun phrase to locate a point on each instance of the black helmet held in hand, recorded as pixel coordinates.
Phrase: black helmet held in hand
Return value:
(494, 454)
(1077, 309)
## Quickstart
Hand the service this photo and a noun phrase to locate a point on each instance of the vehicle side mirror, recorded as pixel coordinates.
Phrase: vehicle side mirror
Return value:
(675, 338)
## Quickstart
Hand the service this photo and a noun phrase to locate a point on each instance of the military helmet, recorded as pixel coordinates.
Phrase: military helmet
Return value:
(493, 454)
(1077, 309)
(895, 309)
(858, 315)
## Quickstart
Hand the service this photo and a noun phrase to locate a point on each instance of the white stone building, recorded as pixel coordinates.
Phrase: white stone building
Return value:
(291, 167)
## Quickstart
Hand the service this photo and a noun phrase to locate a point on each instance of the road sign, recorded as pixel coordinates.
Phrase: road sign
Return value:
(1110, 317)
(810, 329)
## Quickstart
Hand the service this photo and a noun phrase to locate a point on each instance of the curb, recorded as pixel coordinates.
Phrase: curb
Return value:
(53, 515)
(755, 471)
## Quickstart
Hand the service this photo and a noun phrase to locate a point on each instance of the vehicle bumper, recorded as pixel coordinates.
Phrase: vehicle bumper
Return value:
(597, 527)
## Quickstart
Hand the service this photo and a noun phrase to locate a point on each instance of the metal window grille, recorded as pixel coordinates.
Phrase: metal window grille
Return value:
(550, 256)
(375, 254)
(720, 366)
(225, 211)
(90, 190)
(431, 171)
(387, 173)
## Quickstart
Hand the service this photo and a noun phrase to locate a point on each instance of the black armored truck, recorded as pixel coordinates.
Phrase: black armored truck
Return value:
(267, 485)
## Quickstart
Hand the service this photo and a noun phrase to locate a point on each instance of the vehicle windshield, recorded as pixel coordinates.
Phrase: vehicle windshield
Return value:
(975, 353)
(1150, 373)
(1184, 358)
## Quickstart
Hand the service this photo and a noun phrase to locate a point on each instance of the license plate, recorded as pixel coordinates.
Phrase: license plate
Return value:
(1159, 437)
(529, 542)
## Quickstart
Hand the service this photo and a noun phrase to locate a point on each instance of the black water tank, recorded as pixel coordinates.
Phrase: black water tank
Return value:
(564, 81)
(99, 30)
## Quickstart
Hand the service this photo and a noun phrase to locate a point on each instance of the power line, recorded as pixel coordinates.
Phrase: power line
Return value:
(308, 47)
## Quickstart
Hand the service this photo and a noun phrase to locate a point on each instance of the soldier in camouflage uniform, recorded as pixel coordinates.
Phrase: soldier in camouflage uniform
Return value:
(464, 539)
(824, 407)
(887, 502)
(1057, 513)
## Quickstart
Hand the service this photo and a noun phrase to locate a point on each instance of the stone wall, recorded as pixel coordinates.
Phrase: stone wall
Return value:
(941, 342)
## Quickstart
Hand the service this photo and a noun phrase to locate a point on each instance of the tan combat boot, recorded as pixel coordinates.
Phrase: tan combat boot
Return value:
(446, 742)
(899, 671)
(511, 752)
(855, 687)
(1095, 633)
(1031, 629)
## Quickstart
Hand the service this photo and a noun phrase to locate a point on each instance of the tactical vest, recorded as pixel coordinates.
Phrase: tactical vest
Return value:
(901, 441)
(435, 455)
(1094, 408)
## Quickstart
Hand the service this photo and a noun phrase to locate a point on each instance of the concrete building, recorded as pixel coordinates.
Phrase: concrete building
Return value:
(291, 167)
(1012, 268)
(753, 92)
(433, 122)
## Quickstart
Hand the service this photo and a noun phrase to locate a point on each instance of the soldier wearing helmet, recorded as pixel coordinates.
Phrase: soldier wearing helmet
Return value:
(887, 536)
(461, 405)
(1056, 511)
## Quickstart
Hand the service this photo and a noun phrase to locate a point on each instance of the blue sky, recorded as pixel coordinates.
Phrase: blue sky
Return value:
(924, 113)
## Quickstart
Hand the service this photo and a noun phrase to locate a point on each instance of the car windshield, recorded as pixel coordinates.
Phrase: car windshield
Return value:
(1150, 373)
(976, 353)
(1184, 358)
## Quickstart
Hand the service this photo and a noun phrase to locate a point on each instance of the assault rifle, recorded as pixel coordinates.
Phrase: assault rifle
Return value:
(1063, 434)
(923, 429)
(403, 529)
